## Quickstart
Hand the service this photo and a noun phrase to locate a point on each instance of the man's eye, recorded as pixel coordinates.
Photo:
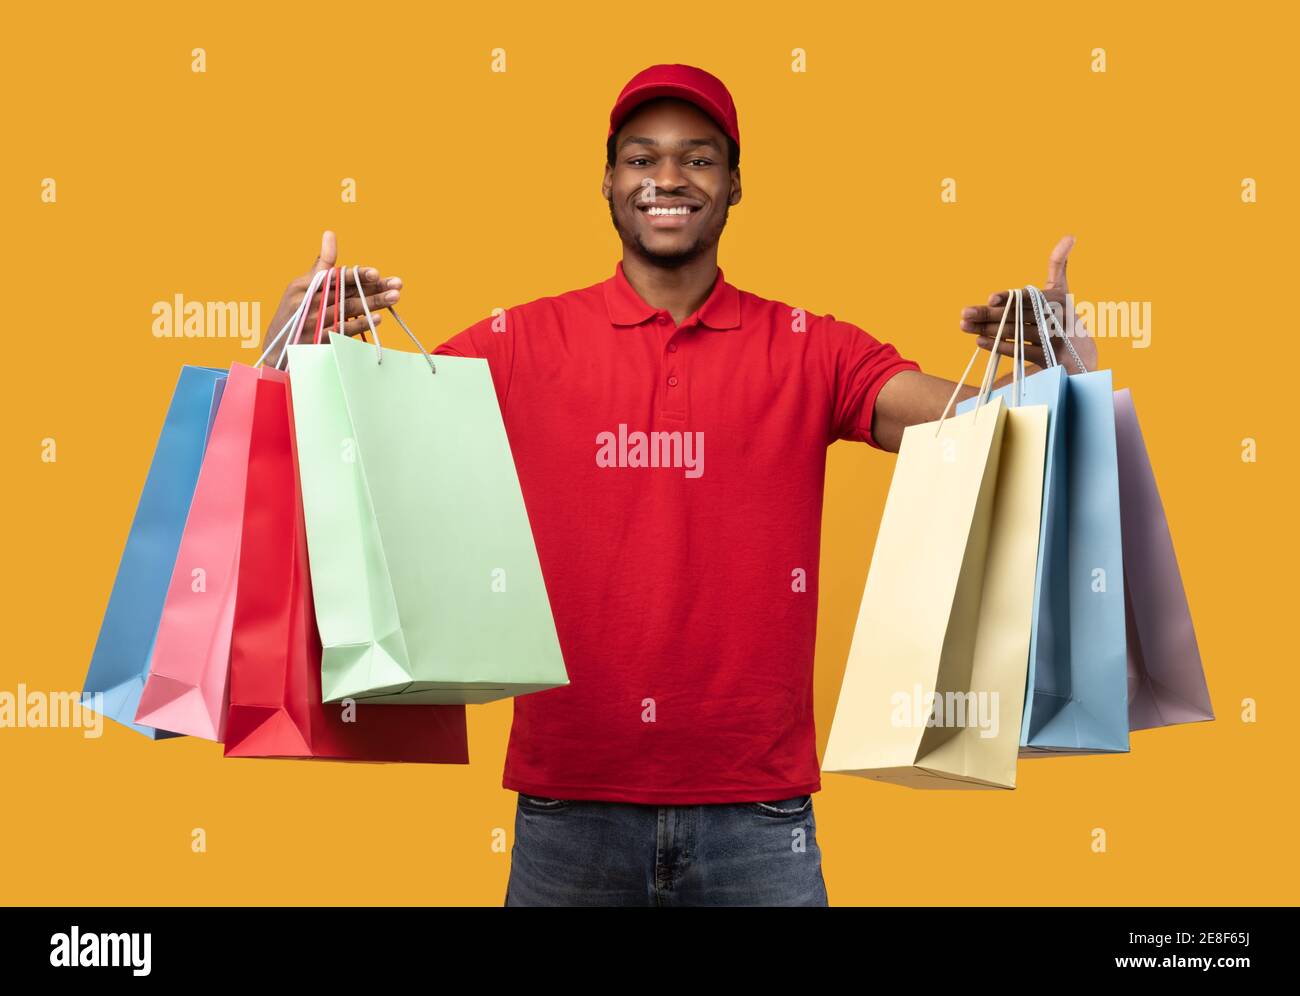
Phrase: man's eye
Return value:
(638, 159)
(703, 162)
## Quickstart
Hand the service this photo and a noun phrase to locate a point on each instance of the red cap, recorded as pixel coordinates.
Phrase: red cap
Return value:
(702, 89)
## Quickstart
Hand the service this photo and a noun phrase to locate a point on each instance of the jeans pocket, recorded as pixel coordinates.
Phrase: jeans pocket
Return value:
(795, 807)
(542, 803)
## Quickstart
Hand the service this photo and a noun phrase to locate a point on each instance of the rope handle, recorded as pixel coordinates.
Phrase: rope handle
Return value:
(299, 315)
(356, 277)
(1041, 304)
(989, 370)
(298, 319)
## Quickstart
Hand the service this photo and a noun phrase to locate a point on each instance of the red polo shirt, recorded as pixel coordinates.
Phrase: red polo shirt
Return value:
(673, 478)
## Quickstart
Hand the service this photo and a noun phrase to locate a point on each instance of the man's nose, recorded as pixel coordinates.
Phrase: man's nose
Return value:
(668, 175)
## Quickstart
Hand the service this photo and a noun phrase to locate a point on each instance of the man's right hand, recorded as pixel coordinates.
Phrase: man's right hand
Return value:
(983, 320)
(381, 292)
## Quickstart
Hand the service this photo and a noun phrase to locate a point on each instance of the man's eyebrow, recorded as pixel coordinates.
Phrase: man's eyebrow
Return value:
(685, 143)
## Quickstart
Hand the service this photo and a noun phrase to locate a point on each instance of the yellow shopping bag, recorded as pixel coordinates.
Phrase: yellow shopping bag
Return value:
(934, 688)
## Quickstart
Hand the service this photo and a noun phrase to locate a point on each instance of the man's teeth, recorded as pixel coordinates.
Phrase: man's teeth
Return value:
(673, 210)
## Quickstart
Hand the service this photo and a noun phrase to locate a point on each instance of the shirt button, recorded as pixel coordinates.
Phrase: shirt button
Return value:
(672, 381)
(672, 347)
(663, 319)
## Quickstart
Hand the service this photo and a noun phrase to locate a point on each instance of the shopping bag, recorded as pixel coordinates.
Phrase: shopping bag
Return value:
(424, 572)
(916, 626)
(120, 661)
(1046, 389)
(188, 672)
(275, 653)
(1166, 681)
(1077, 695)
(934, 688)
(917, 621)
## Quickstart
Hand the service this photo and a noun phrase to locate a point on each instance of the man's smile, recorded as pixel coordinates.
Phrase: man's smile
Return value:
(668, 213)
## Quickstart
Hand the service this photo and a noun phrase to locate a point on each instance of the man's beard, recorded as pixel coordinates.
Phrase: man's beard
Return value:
(668, 260)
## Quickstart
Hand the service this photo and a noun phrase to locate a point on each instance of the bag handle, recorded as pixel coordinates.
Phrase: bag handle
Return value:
(337, 276)
(1041, 305)
(1017, 353)
(321, 278)
(324, 300)
(379, 354)
(338, 305)
(299, 318)
(299, 314)
(989, 370)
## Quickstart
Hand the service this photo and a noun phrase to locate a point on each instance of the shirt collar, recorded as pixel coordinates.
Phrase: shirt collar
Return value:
(720, 310)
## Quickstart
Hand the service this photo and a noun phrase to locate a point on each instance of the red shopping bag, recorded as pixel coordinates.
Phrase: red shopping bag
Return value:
(275, 655)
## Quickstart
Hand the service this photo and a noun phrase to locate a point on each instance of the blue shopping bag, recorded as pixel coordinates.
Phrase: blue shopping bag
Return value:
(1076, 696)
(120, 662)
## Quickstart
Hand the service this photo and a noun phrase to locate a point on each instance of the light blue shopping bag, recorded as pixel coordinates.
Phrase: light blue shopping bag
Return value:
(1076, 698)
(120, 662)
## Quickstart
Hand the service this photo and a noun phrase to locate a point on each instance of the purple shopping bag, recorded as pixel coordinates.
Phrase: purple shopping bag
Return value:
(1166, 681)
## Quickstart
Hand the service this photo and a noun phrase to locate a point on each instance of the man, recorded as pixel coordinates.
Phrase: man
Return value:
(670, 433)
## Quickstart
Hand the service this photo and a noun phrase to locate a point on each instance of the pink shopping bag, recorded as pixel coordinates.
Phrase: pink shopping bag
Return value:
(1166, 681)
(187, 687)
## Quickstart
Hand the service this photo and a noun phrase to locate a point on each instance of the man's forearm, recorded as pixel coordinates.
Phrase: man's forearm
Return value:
(912, 397)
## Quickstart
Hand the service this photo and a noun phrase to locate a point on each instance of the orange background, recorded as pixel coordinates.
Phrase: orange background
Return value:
(217, 186)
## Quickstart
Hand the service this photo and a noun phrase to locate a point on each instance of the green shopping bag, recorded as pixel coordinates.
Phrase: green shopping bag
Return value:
(425, 577)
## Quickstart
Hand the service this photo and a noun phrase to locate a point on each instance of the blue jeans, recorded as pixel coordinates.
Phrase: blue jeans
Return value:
(576, 852)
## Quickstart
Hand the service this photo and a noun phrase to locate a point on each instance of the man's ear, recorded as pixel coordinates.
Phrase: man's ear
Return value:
(735, 186)
(607, 184)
